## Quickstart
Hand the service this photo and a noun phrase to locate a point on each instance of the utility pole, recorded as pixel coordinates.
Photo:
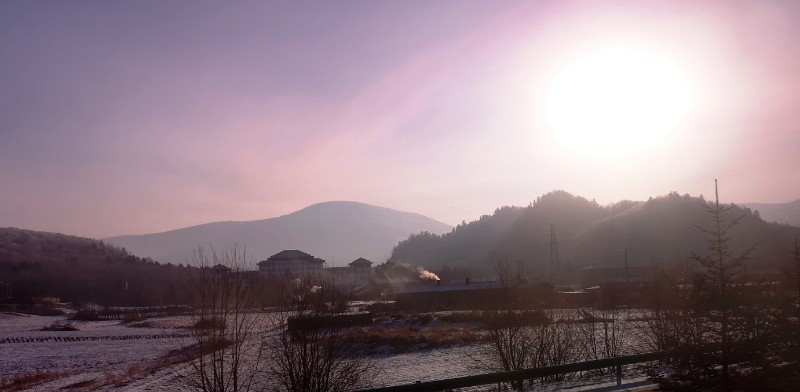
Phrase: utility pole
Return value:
(627, 277)
(5, 290)
(555, 263)
(796, 255)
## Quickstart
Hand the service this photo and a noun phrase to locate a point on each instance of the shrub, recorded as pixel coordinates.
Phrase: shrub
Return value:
(133, 317)
(406, 339)
(28, 380)
(60, 326)
(212, 323)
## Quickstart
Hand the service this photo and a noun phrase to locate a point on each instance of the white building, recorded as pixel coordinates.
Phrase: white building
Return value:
(301, 264)
(357, 273)
(291, 262)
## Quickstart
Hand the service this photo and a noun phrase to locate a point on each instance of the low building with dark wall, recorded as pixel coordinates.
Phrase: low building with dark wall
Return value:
(473, 295)
(616, 284)
(616, 273)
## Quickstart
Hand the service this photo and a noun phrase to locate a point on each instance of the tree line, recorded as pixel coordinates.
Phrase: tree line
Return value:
(725, 327)
(83, 270)
(653, 232)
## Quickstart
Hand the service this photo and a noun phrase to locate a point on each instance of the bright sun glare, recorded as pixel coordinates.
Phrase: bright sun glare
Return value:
(617, 100)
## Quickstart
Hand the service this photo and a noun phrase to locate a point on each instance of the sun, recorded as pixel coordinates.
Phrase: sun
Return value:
(617, 100)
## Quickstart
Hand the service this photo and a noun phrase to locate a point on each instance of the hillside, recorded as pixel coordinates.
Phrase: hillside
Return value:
(661, 230)
(338, 232)
(788, 213)
(81, 269)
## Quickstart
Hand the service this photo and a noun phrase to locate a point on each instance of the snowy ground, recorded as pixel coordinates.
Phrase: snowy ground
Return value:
(99, 351)
(104, 355)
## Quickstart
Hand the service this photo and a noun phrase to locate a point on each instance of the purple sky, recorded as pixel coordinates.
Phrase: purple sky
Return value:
(132, 117)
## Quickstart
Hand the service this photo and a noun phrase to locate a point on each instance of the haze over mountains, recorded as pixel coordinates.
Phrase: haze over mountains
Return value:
(338, 232)
(788, 213)
(661, 230)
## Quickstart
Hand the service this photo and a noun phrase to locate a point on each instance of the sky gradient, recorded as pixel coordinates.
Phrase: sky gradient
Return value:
(132, 117)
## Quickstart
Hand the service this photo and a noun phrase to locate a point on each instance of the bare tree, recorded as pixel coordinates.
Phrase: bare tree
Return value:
(524, 339)
(604, 332)
(312, 356)
(227, 323)
(557, 342)
(511, 340)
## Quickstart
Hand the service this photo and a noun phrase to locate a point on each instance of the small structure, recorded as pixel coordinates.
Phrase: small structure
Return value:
(46, 301)
(220, 269)
(616, 273)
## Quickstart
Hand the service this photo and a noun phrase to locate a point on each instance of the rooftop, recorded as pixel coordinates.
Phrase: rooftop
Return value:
(360, 261)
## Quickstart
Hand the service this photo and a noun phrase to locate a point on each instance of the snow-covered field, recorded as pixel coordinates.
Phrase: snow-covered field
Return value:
(99, 352)
(113, 355)
(105, 355)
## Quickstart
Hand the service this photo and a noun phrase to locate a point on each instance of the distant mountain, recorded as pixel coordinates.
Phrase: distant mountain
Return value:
(338, 232)
(788, 213)
(661, 230)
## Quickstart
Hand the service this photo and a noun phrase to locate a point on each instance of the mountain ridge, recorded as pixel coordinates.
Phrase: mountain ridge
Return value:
(661, 230)
(337, 231)
(787, 213)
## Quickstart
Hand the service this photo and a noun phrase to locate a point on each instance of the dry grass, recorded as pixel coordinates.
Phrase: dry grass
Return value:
(405, 339)
(60, 326)
(133, 317)
(27, 380)
(142, 324)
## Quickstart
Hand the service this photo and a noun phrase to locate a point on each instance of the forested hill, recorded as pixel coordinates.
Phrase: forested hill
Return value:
(661, 230)
(79, 269)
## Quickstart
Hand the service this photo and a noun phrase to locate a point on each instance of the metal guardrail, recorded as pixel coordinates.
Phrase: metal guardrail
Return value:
(526, 374)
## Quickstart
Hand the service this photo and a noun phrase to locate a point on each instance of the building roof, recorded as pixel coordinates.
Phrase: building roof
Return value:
(485, 285)
(618, 264)
(291, 255)
(360, 261)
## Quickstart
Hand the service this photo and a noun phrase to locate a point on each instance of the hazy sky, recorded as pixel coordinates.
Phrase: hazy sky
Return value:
(130, 117)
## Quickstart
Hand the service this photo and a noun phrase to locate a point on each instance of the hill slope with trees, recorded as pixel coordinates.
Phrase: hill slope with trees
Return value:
(80, 269)
(661, 230)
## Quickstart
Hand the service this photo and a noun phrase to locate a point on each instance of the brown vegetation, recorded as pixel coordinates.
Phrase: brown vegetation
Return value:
(60, 326)
(27, 380)
(407, 338)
